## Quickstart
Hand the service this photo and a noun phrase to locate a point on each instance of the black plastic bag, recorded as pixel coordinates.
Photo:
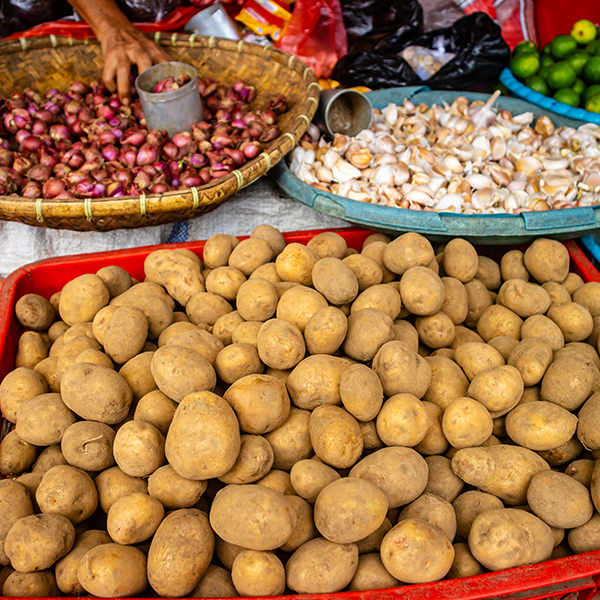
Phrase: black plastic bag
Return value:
(367, 22)
(26, 13)
(148, 11)
(480, 55)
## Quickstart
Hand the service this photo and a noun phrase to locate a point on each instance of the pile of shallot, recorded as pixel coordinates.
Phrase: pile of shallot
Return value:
(85, 144)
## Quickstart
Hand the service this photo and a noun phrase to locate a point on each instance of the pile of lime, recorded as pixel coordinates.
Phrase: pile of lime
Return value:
(568, 67)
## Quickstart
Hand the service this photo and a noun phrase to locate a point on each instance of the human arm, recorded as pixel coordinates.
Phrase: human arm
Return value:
(122, 44)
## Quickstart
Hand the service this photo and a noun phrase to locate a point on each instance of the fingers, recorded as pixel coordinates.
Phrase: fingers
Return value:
(109, 72)
(142, 60)
(123, 83)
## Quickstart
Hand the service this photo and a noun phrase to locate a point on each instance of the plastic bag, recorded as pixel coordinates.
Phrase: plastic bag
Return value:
(316, 35)
(476, 40)
(31, 12)
(148, 11)
(369, 21)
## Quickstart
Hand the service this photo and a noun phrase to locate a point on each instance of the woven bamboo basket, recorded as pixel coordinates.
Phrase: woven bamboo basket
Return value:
(51, 62)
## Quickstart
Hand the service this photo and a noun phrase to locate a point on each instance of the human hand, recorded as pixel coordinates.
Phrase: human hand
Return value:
(124, 47)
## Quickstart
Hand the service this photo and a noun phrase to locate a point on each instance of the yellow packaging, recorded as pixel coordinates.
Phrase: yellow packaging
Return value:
(266, 17)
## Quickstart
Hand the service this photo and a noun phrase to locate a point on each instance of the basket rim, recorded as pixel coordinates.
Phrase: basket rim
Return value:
(17, 207)
(525, 93)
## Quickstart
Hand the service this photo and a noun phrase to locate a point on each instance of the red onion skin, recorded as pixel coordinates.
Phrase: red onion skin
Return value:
(123, 176)
(182, 139)
(218, 174)
(99, 175)
(61, 170)
(210, 88)
(66, 195)
(46, 116)
(133, 136)
(220, 141)
(110, 152)
(169, 151)
(75, 177)
(147, 154)
(142, 180)
(48, 157)
(250, 149)
(53, 187)
(106, 138)
(159, 188)
(21, 164)
(32, 191)
(268, 117)
(190, 179)
(198, 160)
(79, 88)
(30, 144)
(114, 189)
(38, 127)
(21, 135)
(6, 157)
(59, 132)
(9, 124)
(128, 156)
(157, 136)
(39, 173)
(237, 156)
(269, 134)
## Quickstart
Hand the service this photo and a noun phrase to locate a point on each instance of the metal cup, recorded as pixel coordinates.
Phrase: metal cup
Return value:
(173, 111)
(343, 111)
(213, 20)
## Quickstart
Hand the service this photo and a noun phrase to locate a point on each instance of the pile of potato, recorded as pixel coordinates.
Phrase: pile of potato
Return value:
(301, 419)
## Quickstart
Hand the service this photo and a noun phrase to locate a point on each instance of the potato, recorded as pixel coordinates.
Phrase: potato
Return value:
(499, 389)
(81, 298)
(139, 448)
(280, 344)
(15, 504)
(155, 303)
(523, 298)
(246, 332)
(112, 570)
(567, 382)
(434, 510)
(574, 320)
(460, 260)
(114, 483)
(321, 567)
(224, 282)
(253, 462)
(16, 455)
(257, 300)
(456, 300)
(422, 291)
(52, 456)
(463, 335)
(31, 350)
(253, 516)
(290, 442)
(540, 425)
(271, 235)
(361, 392)
(368, 273)
(328, 244)
(402, 421)
(134, 518)
(325, 330)
(337, 516)
(335, 436)
(587, 425)
(304, 529)
(564, 453)
(399, 472)
(295, 264)
(101, 319)
(368, 330)
(203, 441)
(40, 584)
(116, 279)
(558, 293)
(502, 470)
(205, 307)
(508, 537)
(217, 249)
(237, 361)
(66, 568)
(475, 357)
(401, 370)
(43, 420)
(215, 583)
(547, 260)
(34, 312)
(70, 353)
(466, 423)
(540, 326)
(125, 334)
(36, 542)
(201, 341)
(416, 552)
(441, 480)
(383, 297)
(448, 381)
(260, 402)
(498, 320)
(298, 304)
(407, 251)
(504, 344)
(471, 504)
(157, 409)
(250, 254)
(464, 564)
(174, 329)
(559, 500)
(531, 357)
(91, 355)
(88, 445)
(257, 573)
(168, 366)
(78, 330)
(174, 491)
(587, 537)
(478, 300)
(374, 251)
(309, 477)
(67, 491)
(371, 575)
(435, 331)
(489, 273)
(335, 280)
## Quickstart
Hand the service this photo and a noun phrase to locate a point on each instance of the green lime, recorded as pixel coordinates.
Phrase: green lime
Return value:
(578, 58)
(591, 91)
(562, 45)
(525, 46)
(578, 86)
(525, 65)
(537, 84)
(543, 72)
(591, 71)
(593, 48)
(561, 75)
(593, 104)
(584, 31)
(567, 95)
(546, 61)
(503, 89)
(546, 50)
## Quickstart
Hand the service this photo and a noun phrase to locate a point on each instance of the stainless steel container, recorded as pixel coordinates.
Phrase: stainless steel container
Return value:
(213, 20)
(173, 111)
(343, 111)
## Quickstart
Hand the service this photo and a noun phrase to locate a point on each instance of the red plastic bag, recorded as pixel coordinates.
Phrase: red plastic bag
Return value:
(316, 35)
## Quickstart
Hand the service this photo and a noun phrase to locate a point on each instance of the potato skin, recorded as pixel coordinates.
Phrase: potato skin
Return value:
(16, 455)
(371, 574)
(523, 298)
(257, 573)
(547, 260)
(81, 298)
(134, 518)
(15, 503)
(468, 505)
(253, 516)
(509, 537)
(309, 477)
(34, 312)
(203, 440)
(180, 552)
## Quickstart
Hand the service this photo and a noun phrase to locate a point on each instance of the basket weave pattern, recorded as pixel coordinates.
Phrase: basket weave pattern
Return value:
(50, 62)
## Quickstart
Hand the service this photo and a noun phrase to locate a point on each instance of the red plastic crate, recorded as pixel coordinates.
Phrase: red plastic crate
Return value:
(573, 577)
